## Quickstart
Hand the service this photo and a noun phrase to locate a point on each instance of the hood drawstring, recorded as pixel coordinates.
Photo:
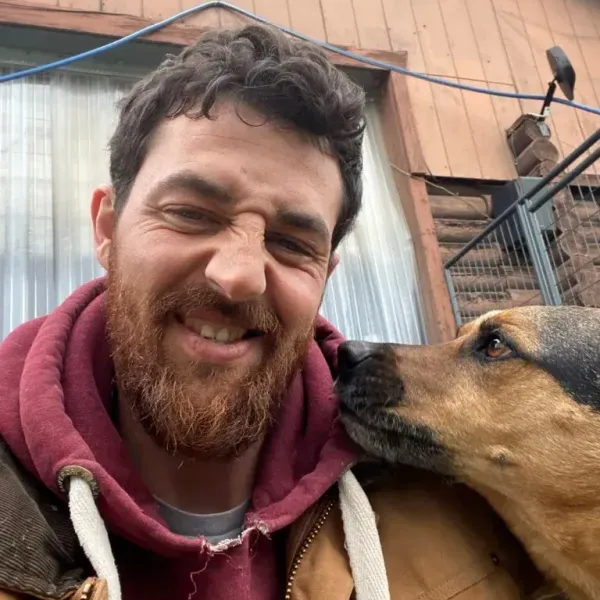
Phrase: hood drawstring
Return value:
(362, 541)
(89, 526)
(360, 530)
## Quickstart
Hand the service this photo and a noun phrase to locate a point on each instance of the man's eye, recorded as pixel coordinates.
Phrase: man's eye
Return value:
(189, 214)
(289, 245)
(193, 219)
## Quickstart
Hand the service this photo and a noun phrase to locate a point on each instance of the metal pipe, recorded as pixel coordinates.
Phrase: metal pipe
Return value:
(453, 298)
(557, 170)
(565, 181)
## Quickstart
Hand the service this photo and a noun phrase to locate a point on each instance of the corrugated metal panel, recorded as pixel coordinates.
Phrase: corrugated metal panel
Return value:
(373, 294)
(53, 135)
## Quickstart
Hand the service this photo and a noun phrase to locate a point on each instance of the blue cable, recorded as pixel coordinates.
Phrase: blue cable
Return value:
(363, 59)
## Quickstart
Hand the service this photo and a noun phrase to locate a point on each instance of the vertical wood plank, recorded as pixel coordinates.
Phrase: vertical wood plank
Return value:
(489, 42)
(496, 71)
(156, 10)
(404, 36)
(584, 17)
(564, 35)
(340, 23)
(490, 143)
(507, 111)
(567, 133)
(41, 2)
(207, 18)
(230, 18)
(434, 42)
(89, 5)
(306, 17)
(371, 24)
(461, 39)
(274, 10)
(594, 12)
(516, 44)
(456, 129)
(491, 149)
(450, 106)
(122, 7)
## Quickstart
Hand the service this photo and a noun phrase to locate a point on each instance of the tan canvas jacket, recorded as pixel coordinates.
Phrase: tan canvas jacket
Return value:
(439, 542)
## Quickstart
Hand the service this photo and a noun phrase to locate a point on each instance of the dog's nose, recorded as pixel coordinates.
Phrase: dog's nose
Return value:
(351, 354)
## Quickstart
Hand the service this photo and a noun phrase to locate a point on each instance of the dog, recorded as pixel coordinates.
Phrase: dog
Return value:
(511, 408)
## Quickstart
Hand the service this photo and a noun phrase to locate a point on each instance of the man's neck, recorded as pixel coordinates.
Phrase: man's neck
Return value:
(195, 485)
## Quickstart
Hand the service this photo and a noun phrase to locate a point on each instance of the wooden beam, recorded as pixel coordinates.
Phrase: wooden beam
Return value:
(118, 25)
(461, 207)
(403, 148)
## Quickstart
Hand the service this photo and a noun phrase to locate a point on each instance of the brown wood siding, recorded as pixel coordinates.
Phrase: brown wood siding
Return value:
(495, 43)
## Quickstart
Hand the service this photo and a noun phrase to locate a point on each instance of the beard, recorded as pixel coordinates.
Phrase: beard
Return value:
(190, 408)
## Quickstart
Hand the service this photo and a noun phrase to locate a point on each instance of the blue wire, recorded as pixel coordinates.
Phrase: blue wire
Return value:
(363, 59)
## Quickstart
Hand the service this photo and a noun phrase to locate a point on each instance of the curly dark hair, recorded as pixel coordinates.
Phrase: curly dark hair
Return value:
(287, 80)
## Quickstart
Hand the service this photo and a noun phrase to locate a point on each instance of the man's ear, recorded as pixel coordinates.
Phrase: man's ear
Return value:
(103, 221)
(334, 261)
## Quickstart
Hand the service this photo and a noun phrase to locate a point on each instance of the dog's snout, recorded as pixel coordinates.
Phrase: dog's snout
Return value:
(351, 354)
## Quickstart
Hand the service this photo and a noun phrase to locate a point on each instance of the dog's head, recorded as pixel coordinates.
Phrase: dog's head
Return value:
(516, 397)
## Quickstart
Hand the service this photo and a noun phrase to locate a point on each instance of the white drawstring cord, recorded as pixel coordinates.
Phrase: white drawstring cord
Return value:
(92, 534)
(362, 541)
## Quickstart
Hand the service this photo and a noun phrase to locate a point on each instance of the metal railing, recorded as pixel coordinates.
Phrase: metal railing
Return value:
(543, 249)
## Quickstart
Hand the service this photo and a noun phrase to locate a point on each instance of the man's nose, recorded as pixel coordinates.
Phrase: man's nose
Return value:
(237, 268)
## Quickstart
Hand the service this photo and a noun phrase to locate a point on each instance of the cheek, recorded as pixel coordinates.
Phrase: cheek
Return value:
(295, 294)
(144, 264)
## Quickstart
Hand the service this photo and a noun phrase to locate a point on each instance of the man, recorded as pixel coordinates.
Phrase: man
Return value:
(185, 404)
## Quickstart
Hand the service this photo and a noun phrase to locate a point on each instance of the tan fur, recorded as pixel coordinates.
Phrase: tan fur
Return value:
(507, 425)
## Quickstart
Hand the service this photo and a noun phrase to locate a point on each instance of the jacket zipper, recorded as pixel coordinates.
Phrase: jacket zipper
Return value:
(306, 545)
(92, 589)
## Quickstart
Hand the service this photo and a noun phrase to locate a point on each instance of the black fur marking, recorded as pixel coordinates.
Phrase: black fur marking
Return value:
(569, 350)
(388, 436)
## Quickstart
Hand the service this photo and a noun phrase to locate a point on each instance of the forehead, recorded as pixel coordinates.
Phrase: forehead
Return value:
(249, 156)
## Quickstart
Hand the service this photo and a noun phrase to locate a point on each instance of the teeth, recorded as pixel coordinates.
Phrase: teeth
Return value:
(225, 335)
(208, 331)
(222, 336)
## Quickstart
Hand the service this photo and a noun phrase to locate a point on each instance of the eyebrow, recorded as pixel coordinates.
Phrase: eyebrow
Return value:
(192, 182)
(304, 222)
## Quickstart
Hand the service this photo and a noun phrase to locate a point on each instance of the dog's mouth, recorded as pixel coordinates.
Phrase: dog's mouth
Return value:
(383, 434)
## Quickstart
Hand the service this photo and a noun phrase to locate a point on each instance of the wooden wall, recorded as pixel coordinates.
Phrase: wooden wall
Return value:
(494, 43)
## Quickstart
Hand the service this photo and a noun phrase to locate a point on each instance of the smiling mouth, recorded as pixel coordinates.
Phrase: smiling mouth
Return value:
(216, 332)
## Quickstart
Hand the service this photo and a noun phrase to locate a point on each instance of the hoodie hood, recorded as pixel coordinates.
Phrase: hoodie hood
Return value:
(55, 413)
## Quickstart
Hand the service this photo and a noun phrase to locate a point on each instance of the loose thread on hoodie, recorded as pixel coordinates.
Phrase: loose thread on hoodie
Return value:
(193, 575)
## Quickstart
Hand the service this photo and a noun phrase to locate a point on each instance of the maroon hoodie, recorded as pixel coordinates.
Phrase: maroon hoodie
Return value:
(55, 410)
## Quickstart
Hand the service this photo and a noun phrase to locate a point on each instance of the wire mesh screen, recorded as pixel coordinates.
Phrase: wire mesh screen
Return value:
(497, 273)
(544, 249)
(571, 235)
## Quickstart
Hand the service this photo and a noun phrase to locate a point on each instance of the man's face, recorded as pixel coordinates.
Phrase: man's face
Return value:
(217, 268)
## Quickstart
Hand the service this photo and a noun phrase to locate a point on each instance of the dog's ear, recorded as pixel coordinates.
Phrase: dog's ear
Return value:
(569, 349)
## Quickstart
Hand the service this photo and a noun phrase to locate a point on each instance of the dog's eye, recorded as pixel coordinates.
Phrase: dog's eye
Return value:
(496, 348)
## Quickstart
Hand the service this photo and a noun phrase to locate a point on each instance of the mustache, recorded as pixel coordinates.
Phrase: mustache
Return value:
(248, 314)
